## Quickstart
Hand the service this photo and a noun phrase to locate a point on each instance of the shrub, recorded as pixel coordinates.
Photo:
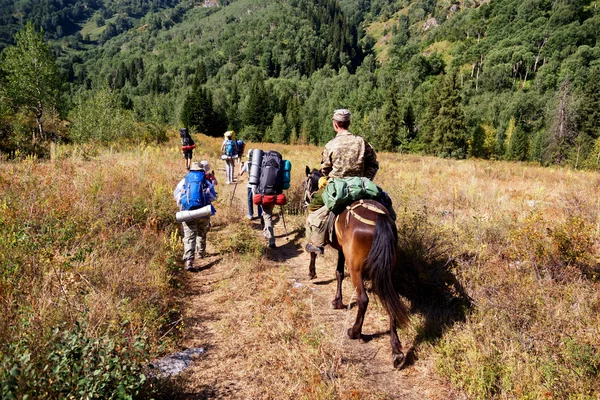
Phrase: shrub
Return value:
(75, 365)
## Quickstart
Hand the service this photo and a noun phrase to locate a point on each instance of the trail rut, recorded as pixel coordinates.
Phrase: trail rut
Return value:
(212, 376)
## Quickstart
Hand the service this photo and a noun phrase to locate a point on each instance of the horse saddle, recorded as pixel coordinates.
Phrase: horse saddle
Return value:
(368, 204)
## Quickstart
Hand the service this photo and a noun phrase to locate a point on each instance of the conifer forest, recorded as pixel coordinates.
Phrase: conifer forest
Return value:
(501, 79)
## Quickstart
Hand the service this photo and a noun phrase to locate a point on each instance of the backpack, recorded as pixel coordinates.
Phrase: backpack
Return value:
(194, 197)
(230, 148)
(271, 174)
(340, 192)
(240, 148)
(187, 143)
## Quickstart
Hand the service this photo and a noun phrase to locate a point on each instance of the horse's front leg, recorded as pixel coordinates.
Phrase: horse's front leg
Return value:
(312, 272)
(337, 303)
(398, 357)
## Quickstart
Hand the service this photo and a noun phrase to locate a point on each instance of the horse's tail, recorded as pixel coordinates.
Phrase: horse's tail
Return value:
(379, 265)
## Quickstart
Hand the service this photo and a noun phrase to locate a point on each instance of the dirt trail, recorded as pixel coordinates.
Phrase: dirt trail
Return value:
(211, 377)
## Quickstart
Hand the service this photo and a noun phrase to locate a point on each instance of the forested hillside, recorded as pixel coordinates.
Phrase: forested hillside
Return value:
(503, 79)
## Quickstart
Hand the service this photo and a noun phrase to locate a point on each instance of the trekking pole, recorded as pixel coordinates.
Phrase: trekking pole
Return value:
(284, 227)
(233, 194)
(234, 187)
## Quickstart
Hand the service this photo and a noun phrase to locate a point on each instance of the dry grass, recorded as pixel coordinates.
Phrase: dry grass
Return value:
(501, 270)
(499, 265)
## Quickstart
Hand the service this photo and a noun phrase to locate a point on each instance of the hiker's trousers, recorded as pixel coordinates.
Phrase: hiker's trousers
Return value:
(229, 167)
(251, 204)
(316, 226)
(268, 219)
(194, 236)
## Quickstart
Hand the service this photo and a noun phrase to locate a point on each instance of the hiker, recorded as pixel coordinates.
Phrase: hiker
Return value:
(194, 192)
(245, 167)
(271, 173)
(209, 175)
(229, 151)
(187, 146)
(346, 155)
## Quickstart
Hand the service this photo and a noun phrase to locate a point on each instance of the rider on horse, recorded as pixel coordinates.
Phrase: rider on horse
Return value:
(345, 155)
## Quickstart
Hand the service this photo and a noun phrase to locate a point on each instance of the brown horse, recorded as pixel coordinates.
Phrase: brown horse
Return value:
(366, 240)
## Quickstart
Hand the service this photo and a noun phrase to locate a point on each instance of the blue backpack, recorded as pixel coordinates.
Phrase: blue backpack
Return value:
(230, 148)
(194, 197)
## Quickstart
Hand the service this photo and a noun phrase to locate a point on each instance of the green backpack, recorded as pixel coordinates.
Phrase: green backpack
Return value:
(341, 192)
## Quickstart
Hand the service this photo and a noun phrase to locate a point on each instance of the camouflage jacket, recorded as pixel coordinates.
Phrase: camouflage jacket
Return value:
(349, 155)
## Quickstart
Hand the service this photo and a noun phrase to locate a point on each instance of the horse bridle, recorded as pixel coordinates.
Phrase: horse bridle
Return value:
(308, 194)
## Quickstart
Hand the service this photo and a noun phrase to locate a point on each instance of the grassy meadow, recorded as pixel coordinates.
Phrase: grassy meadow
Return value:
(498, 261)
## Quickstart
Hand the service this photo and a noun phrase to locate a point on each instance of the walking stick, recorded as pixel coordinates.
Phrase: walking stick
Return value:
(233, 194)
(283, 219)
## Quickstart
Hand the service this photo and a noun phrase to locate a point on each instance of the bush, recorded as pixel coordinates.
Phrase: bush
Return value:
(75, 365)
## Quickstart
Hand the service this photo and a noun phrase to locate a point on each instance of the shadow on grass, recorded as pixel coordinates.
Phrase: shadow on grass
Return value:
(424, 276)
(290, 248)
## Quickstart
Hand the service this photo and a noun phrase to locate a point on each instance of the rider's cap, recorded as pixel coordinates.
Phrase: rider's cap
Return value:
(204, 165)
(341, 115)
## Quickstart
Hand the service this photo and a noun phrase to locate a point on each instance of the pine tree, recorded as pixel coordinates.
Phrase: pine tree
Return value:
(589, 121)
(257, 107)
(449, 134)
(391, 123)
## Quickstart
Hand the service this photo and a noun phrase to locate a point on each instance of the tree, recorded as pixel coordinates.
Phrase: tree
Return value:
(32, 77)
(562, 131)
(277, 132)
(197, 113)
(449, 134)
(257, 107)
(391, 124)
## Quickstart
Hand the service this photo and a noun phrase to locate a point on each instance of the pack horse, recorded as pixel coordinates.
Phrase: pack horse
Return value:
(366, 238)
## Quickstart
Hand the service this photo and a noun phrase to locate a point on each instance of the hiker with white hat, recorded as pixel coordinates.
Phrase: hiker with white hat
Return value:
(193, 195)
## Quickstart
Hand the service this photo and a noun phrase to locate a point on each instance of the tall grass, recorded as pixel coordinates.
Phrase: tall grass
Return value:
(499, 263)
(87, 256)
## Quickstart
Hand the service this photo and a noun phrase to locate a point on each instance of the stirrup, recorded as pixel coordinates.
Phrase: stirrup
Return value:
(311, 248)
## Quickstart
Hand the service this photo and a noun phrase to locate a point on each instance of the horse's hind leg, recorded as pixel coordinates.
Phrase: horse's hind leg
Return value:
(337, 302)
(363, 301)
(312, 272)
(398, 357)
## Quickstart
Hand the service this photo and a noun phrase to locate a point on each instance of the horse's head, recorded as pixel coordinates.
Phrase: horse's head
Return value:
(311, 185)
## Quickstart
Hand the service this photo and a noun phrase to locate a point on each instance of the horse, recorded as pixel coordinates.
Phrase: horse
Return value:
(366, 239)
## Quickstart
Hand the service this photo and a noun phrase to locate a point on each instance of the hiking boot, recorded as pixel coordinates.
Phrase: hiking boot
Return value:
(272, 246)
(249, 217)
(311, 248)
(189, 265)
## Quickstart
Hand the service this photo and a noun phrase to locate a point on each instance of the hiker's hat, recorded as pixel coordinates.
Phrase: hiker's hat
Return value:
(205, 165)
(196, 166)
(229, 134)
(183, 131)
(250, 153)
(341, 115)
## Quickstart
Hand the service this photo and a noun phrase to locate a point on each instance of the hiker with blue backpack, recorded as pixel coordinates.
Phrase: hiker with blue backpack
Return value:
(229, 154)
(194, 194)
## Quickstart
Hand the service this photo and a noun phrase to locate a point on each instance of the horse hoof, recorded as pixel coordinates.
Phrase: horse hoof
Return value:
(312, 276)
(337, 305)
(352, 336)
(399, 360)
